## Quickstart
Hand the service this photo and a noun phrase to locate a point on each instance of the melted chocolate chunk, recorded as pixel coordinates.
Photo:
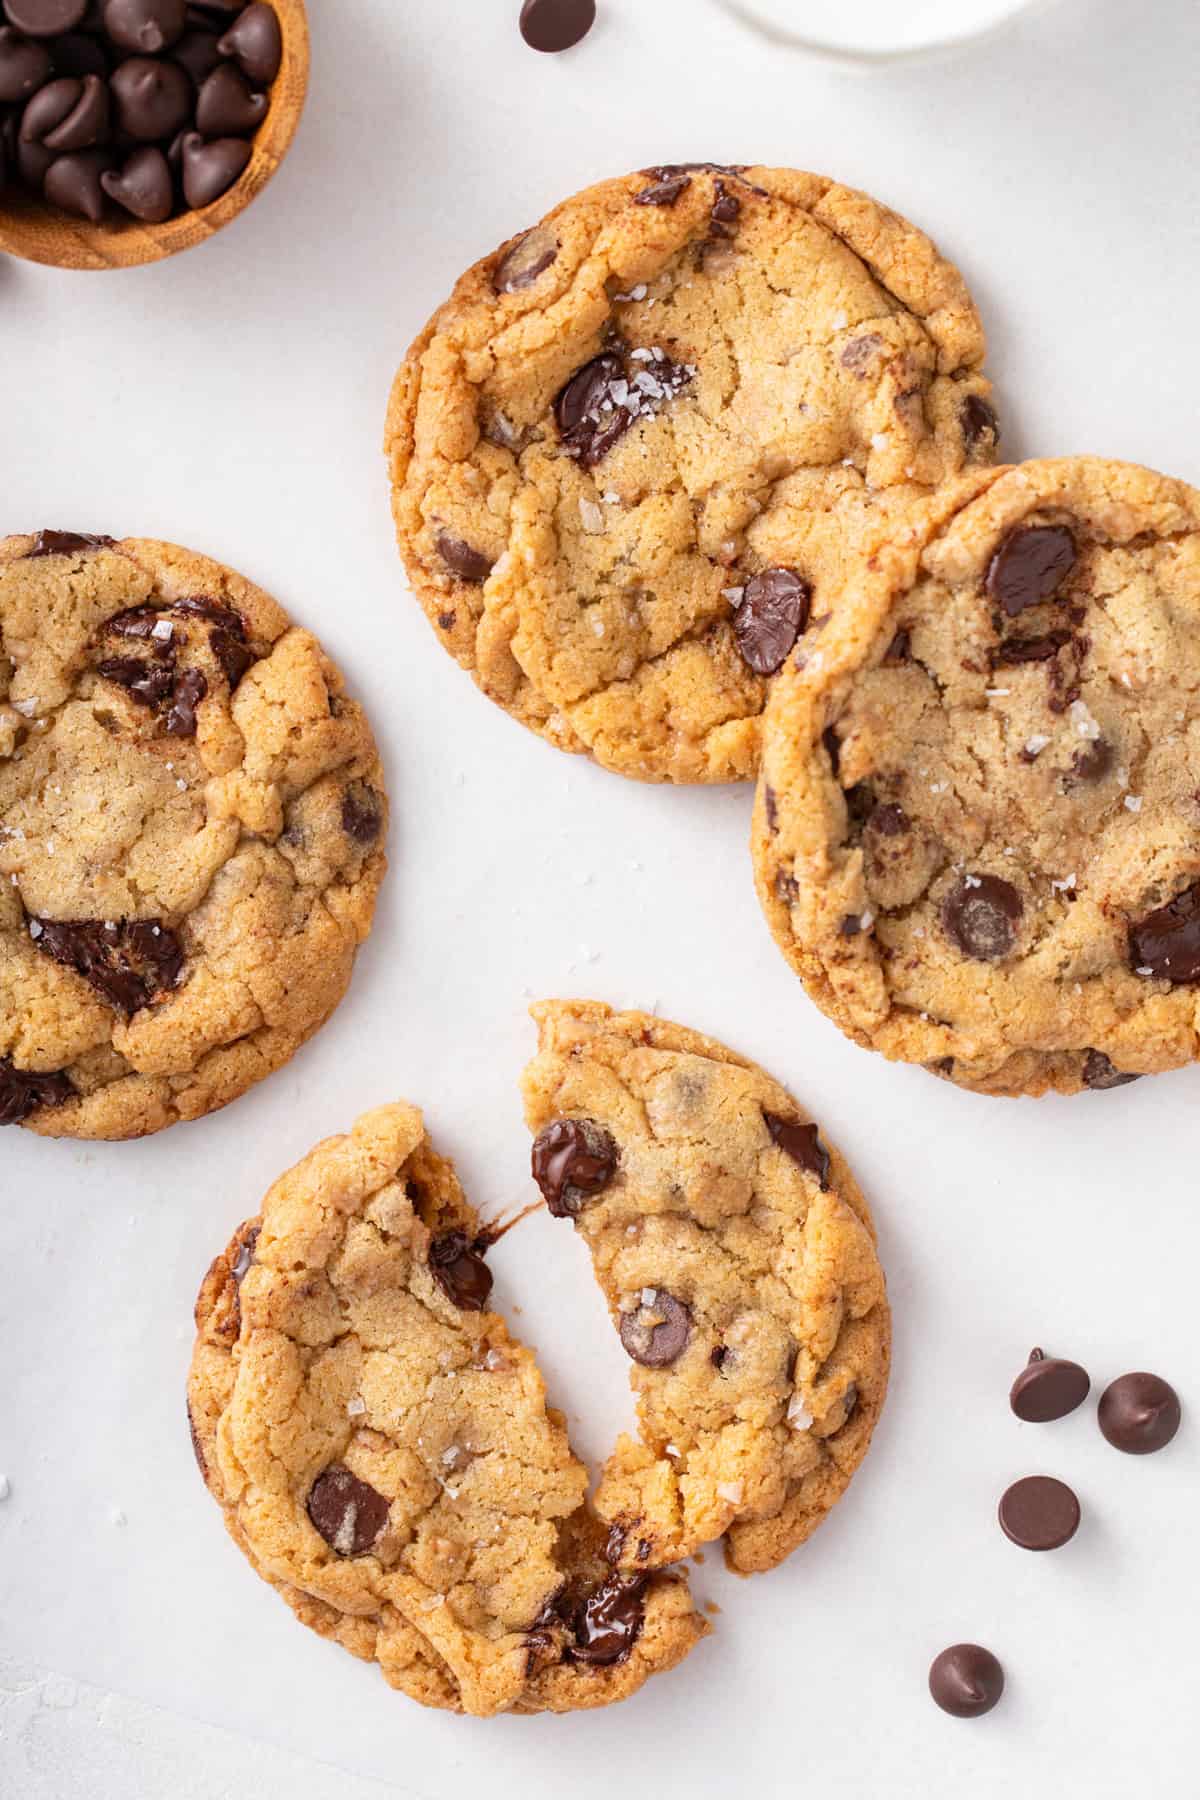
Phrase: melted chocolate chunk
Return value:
(349, 1514)
(66, 543)
(1030, 566)
(803, 1144)
(572, 1159)
(188, 692)
(456, 1264)
(22, 1092)
(726, 210)
(773, 612)
(889, 821)
(663, 193)
(462, 559)
(148, 683)
(1099, 1072)
(604, 398)
(833, 749)
(245, 1257)
(900, 648)
(1094, 763)
(1166, 943)
(130, 964)
(656, 1333)
(1026, 650)
(980, 916)
(529, 257)
(228, 638)
(608, 1623)
(859, 351)
(980, 425)
(362, 813)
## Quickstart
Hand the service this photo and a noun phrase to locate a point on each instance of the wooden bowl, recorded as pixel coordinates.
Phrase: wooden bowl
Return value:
(42, 234)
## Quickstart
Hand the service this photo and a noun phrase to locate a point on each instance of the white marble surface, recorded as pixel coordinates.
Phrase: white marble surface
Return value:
(233, 400)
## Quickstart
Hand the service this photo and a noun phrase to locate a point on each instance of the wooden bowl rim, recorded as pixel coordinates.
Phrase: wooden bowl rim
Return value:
(36, 233)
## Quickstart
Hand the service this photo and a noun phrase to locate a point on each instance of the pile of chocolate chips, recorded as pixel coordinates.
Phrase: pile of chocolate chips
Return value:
(142, 107)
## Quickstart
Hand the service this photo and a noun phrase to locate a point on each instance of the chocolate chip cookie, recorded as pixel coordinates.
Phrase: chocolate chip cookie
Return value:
(192, 819)
(738, 1260)
(384, 1455)
(627, 453)
(977, 836)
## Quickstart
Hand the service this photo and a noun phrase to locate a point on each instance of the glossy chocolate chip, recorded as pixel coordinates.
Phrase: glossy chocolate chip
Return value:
(572, 1159)
(604, 398)
(980, 916)
(655, 1333)
(1166, 943)
(1030, 566)
(153, 98)
(211, 168)
(458, 1268)
(980, 425)
(24, 66)
(197, 52)
(554, 25)
(1014, 651)
(462, 559)
(45, 18)
(189, 690)
(23, 1091)
(803, 1144)
(67, 114)
(227, 106)
(129, 963)
(1139, 1413)
(663, 193)
(145, 27)
(726, 210)
(1099, 1072)
(1039, 1513)
(966, 1681)
(362, 813)
(773, 612)
(529, 257)
(142, 185)
(608, 1623)
(72, 183)
(255, 42)
(67, 543)
(349, 1514)
(1048, 1388)
(148, 683)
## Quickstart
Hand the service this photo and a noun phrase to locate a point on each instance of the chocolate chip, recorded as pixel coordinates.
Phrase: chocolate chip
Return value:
(656, 1332)
(44, 18)
(189, 690)
(1030, 566)
(850, 926)
(1048, 1388)
(66, 543)
(553, 25)
(67, 114)
(900, 648)
(608, 1623)
(859, 352)
(460, 1271)
(144, 26)
(833, 749)
(362, 813)
(1139, 1413)
(462, 559)
(572, 1159)
(24, 66)
(603, 399)
(889, 821)
(255, 42)
(154, 99)
(770, 808)
(210, 169)
(529, 257)
(966, 1681)
(349, 1514)
(23, 1091)
(226, 105)
(130, 963)
(980, 916)
(72, 183)
(980, 425)
(147, 683)
(197, 52)
(663, 193)
(1166, 943)
(726, 209)
(721, 1358)
(1094, 763)
(1039, 1513)
(803, 1144)
(245, 1257)
(1099, 1073)
(1026, 650)
(143, 186)
(773, 612)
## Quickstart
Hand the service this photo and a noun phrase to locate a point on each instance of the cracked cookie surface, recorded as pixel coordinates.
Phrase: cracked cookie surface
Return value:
(977, 834)
(738, 1260)
(384, 1455)
(627, 454)
(192, 819)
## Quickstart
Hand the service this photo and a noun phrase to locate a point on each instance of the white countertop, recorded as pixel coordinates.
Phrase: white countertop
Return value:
(233, 400)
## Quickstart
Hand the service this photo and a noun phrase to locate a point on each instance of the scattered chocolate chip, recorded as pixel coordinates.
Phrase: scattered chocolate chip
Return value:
(1166, 943)
(655, 1333)
(572, 1159)
(803, 1144)
(553, 25)
(606, 396)
(362, 813)
(190, 688)
(773, 612)
(980, 425)
(1139, 1413)
(72, 183)
(462, 559)
(144, 27)
(1026, 650)
(1030, 566)
(66, 543)
(210, 169)
(460, 1271)
(966, 1681)
(529, 257)
(23, 1091)
(129, 964)
(663, 193)
(980, 916)
(154, 99)
(45, 18)
(859, 351)
(608, 1623)
(1094, 763)
(143, 186)
(24, 66)
(349, 1514)
(1039, 1513)
(1099, 1072)
(67, 114)
(1048, 1388)
(889, 821)
(255, 42)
